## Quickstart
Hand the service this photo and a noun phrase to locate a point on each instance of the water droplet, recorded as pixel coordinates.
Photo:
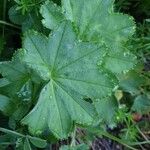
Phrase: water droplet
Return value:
(124, 54)
(118, 118)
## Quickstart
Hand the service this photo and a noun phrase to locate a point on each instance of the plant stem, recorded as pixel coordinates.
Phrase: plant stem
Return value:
(140, 143)
(9, 24)
(11, 132)
(142, 134)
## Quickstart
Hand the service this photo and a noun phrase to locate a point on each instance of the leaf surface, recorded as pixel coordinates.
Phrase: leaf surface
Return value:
(70, 69)
(26, 145)
(52, 15)
(132, 81)
(17, 75)
(107, 108)
(96, 21)
(5, 104)
(40, 143)
(141, 104)
(119, 62)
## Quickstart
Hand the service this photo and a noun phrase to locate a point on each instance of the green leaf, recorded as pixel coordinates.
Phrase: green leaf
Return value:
(119, 62)
(26, 145)
(16, 73)
(107, 108)
(5, 104)
(4, 82)
(16, 16)
(32, 21)
(28, 21)
(141, 104)
(40, 143)
(13, 70)
(70, 69)
(6, 139)
(18, 76)
(52, 15)
(132, 81)
(96, 21)
(19, 87)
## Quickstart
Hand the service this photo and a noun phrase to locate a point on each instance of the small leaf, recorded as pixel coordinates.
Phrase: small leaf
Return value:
(132, 81)
(40, 143)
(26, 145)
(17, 74)
(141, 104)
(52, 15)
(16, 16)
(4, 82)
(107, 108)
(5, 104)
(4, 101)
(27, 20)
(14, 71)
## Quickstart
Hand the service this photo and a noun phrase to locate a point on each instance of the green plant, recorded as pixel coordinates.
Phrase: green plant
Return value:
(67, 78)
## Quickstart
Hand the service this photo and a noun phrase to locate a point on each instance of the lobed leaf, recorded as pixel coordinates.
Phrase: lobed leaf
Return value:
(96, 21)
(70, 69)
